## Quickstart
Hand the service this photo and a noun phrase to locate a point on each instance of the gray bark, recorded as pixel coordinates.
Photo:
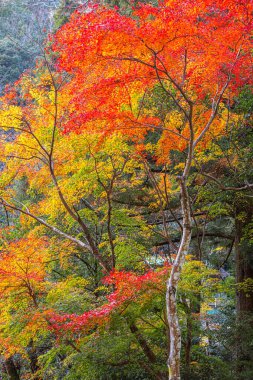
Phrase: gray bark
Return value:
(172, 284)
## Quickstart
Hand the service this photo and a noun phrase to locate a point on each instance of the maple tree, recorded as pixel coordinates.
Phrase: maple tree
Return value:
(193, 53)
(106, 141)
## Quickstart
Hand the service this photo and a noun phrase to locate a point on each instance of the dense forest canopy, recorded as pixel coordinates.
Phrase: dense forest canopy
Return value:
(126, 190)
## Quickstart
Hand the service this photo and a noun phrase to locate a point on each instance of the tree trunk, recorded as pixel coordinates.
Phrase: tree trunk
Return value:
(158, 375)
(172, 283)
(244, 268)
(33, 356)
(11, 369)
(244, 294)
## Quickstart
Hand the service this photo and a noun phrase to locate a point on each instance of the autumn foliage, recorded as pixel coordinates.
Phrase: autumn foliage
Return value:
(190, 51)
(108, 148)
(129, 288)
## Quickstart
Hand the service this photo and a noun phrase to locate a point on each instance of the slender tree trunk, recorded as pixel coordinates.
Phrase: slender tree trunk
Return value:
(172, 284)
(158, 375)
(11, 369)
